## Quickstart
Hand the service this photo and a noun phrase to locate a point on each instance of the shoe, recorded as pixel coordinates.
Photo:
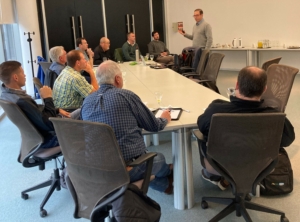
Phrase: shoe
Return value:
(213, 179)
(170, 188)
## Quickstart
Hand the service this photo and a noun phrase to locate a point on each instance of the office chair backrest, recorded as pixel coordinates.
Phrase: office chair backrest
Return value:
(279, 85)
(45, 66)
(50, 77)
(95, 164)
(213, 66)
(31, 138)
(202, 62)
(266, 64)
(37, 83)
(118, 54)
(243, 145)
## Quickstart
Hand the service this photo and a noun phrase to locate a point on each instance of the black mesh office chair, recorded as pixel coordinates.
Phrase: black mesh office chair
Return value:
(31, 154)
(266, 64)
(279, 85)
(201, 66)
(210, 74)
(244, 149)
(97, 173)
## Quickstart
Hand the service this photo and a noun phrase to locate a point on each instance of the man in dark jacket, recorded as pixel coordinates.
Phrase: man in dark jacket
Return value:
(13, 78)
(251, 84)
(102, 51)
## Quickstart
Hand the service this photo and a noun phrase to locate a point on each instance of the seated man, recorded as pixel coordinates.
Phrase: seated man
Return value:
(59, 58)
(102, 51)
(70, 87)
(159, 50)
(251, 84)
(82, 46)
(129, 48)
(127, 115)
(13, 78)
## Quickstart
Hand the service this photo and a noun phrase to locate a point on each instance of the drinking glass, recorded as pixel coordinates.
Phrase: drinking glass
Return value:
(230, 91)
(104, 59)
(151, 57)
(147, 57)
(123, 75)
(158, 96)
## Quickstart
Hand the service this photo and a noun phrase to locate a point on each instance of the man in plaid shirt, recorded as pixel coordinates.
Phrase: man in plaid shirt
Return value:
(70, 87)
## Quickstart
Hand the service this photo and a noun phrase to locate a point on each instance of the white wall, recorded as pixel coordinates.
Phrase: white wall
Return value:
(253, 20)
(28, 22)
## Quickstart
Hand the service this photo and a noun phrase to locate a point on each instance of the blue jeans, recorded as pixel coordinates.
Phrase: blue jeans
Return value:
(160, 169)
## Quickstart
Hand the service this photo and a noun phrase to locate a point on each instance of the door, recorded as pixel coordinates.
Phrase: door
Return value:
(158, 18)
(116, 11)
(89, 17)
(59, 25)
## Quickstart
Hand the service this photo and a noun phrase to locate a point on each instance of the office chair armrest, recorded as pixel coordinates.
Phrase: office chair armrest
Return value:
(142, 159)
(189, 73)
(195, 76)
(148, 158)
(198, 135)
(204, 80)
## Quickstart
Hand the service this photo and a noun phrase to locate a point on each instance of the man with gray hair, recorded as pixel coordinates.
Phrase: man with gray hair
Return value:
(127, 115)
(59, 58)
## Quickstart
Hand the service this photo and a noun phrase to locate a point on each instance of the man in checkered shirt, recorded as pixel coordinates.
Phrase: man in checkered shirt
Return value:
(70, 87)
(127, 115)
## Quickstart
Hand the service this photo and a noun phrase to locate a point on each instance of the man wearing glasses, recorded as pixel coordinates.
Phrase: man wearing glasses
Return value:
(102, 52)
(202, 34)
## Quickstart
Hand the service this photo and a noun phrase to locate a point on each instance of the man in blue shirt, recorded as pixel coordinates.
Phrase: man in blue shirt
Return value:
(59, 58)
(127, 115)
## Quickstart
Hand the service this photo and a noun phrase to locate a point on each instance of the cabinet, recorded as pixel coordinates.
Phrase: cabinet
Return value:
(62, 21)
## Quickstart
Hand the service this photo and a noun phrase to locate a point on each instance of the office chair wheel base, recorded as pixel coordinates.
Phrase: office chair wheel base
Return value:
(248, 197)
(24, 196)
(43, 213)
(204, 204)
(284, 219)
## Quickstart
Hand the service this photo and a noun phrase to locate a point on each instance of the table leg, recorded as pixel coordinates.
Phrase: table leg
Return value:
(189, 167)
(179, 169)
(155, 139)
(147, 140)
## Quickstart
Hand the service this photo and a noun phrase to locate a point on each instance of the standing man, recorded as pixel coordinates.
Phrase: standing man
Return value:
(129, 48)
(13, 77)
(202, 34)
(251, 84)
(127, 115)
(70, 87)
(159, 50)
(59, 58)
(82, 45)
(102, 51)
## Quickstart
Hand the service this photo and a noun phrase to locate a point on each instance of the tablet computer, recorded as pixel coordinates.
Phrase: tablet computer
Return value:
(175, 113)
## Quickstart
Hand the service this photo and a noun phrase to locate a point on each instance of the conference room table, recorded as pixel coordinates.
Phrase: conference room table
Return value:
(178, 91)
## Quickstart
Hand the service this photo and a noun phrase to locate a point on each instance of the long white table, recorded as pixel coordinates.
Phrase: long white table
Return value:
(178, 91)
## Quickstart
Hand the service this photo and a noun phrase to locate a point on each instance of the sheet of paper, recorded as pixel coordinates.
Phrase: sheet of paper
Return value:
(174, 113)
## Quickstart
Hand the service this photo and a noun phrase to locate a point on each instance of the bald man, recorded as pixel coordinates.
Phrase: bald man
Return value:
(102, 51)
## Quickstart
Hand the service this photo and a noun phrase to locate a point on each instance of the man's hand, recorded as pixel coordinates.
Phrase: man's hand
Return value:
(90, 52)
(164, 54)
(45, 92)
(89, 69)
(64, 113)
(181, 32)
(166, 114)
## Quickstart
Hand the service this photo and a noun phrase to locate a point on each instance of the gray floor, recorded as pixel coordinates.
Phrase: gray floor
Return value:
(15, 178)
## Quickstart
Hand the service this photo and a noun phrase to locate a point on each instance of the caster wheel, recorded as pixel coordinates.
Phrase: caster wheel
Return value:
(204, 204)
(24, 196)
(283, 219)
(43, 213)
(248, 197)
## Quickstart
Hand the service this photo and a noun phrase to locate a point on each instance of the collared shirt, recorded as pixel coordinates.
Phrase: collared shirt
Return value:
(126, 114)
(70, 88)
(57, 67)
(99, 54)
(87, 58)
(129, 51)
